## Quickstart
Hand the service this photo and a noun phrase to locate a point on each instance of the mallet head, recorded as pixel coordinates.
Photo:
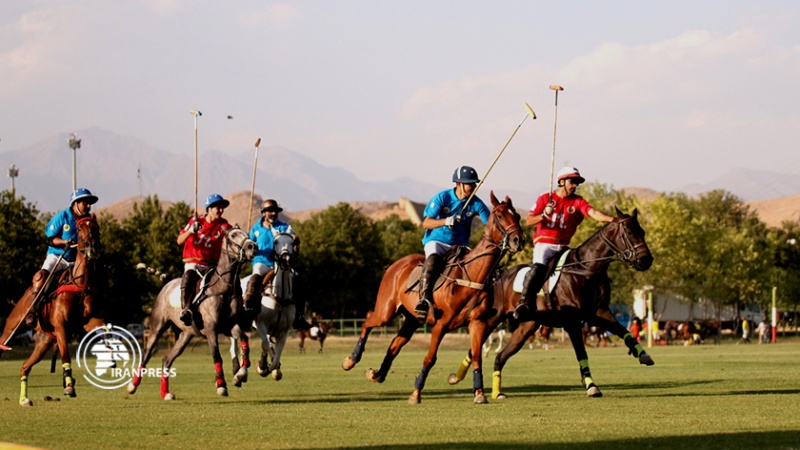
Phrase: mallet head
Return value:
(530, 111)
(196, 113)
(258, 142)
(555, 87)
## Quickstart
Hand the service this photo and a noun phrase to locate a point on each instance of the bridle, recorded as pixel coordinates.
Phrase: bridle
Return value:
(632, 252)
(237, 254)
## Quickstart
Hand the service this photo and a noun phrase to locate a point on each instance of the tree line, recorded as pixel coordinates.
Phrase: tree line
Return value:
(707, 247)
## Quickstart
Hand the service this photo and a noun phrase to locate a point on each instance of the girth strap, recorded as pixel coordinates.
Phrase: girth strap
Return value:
(469, 284)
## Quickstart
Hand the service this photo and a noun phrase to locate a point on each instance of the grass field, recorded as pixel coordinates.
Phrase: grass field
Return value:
(706, 397)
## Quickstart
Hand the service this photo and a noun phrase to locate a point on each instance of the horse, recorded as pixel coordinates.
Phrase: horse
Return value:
(581, 294)
(543, 335)
(69, 309)
(277, 311)
(217, 309)
(323, 328)
(460, 300)
(498, 335)
(595, 334)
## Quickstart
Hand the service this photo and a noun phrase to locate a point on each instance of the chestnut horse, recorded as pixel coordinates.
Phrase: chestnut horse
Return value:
(461, 300)
(582, 293)
(217, 309)
(67, 310)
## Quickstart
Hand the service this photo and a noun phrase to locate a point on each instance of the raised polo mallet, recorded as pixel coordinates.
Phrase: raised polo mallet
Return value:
(528, 112)
(196, 114)
(554, 87)
(253, 188)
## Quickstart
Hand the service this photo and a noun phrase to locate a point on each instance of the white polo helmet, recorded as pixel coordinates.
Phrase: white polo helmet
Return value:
(570, 172)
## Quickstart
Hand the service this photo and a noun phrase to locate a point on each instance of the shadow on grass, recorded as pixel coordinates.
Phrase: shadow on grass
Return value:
(767, 440)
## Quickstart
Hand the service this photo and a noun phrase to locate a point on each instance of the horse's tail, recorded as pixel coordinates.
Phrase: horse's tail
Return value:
(142, 266)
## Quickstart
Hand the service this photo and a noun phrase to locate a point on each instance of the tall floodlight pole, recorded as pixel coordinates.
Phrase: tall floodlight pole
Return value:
(74, 144)
(13, 172)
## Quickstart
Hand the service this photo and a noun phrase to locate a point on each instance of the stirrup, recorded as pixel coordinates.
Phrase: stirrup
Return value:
(520, 310)
(422, 309)
(186, 317)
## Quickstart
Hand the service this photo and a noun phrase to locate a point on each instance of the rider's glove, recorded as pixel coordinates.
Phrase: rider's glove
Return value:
(195, 227)
(548, 210)
(452, 221)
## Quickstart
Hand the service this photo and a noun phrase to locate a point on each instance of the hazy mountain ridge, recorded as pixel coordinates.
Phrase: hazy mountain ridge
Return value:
(108, 162)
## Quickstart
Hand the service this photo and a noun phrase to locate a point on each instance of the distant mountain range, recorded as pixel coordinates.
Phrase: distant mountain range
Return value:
(108, 163)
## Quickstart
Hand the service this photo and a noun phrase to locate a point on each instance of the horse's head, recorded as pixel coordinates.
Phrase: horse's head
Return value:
(628, 242)
(238, 245)
(503, 227)
(88, 237)
(283, 249)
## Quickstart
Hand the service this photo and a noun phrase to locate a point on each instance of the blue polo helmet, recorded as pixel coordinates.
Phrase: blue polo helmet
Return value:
(82, 194)
(214, 199)
(465, 174)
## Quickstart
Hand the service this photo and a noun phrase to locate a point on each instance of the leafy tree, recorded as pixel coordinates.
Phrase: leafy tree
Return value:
(342, 261)
(399, 237)
(23, 246)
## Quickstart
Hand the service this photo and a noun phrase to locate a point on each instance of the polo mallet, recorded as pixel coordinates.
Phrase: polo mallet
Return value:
(253, 188)
(528, 112)
(556, 88)
(196, 114)
(34, 302)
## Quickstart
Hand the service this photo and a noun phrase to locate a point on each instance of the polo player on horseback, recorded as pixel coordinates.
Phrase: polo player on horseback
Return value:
(263, 233)
(447, 222)
(62, 236)
(202, 240)
(556, 217)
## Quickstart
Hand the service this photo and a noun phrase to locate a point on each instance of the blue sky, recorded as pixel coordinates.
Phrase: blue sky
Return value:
(657, 94)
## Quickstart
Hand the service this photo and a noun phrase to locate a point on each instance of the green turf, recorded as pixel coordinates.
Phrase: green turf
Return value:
(710, 397)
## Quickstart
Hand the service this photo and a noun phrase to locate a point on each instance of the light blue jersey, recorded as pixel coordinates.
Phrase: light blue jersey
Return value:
(63, 226)
(445, 204)
(264, 237)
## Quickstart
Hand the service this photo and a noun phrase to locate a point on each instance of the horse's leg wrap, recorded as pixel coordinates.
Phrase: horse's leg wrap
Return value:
(245, 347)
(496, 383)
(23, 389)
(137, 377)
(586, 374)
(477, 380)
(635, 348)
(164, 385)
(358, 351)
(461, 373)
(419, 383)
(67, 370)
(219, 375)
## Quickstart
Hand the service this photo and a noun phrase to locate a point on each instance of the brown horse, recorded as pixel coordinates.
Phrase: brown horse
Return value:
(217, 309)
(461, 300)
(69, 309)
(581, 294)
(323, 328)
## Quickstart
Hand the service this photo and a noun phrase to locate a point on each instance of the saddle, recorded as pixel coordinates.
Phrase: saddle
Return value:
(279, 284)
(544, 302)
(448, 261)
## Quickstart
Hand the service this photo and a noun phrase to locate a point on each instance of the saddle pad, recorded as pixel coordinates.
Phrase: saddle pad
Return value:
(413, 279)
(269, 302)
(551, 282)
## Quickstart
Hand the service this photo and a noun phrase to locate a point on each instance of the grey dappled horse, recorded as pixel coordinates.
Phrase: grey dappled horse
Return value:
(217, 309)
(277, 309)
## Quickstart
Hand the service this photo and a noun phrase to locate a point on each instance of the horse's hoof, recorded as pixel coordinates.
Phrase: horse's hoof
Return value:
(25, 402)
(240, 377)
(132, 388)
(480, 399)
(222, 391)
(372, 375)
(263, 371)
(70, 391)
(415, 398)
(500, 396)
(453, 379)
(594, 391)
(348, 363)
(277, 374)
(645, 359)
(169, 396)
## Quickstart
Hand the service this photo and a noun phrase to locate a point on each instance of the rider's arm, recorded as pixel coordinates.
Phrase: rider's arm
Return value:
(600, 216)
(430, 223)
(183, 236)
(533, 219)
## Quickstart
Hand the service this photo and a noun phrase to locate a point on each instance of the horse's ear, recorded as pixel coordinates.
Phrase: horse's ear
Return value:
(620, 214)
(508, 201)
(635, 212)
(495, 202)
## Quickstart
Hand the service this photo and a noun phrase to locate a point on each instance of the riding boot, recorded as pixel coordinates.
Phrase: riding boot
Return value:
(534, 280)
(38, 283)
(252, 298)
(426, 282)
(188, 284)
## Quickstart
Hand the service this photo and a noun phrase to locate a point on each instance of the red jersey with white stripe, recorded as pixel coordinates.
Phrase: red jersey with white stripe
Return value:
(568, 213)
(205, 246)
